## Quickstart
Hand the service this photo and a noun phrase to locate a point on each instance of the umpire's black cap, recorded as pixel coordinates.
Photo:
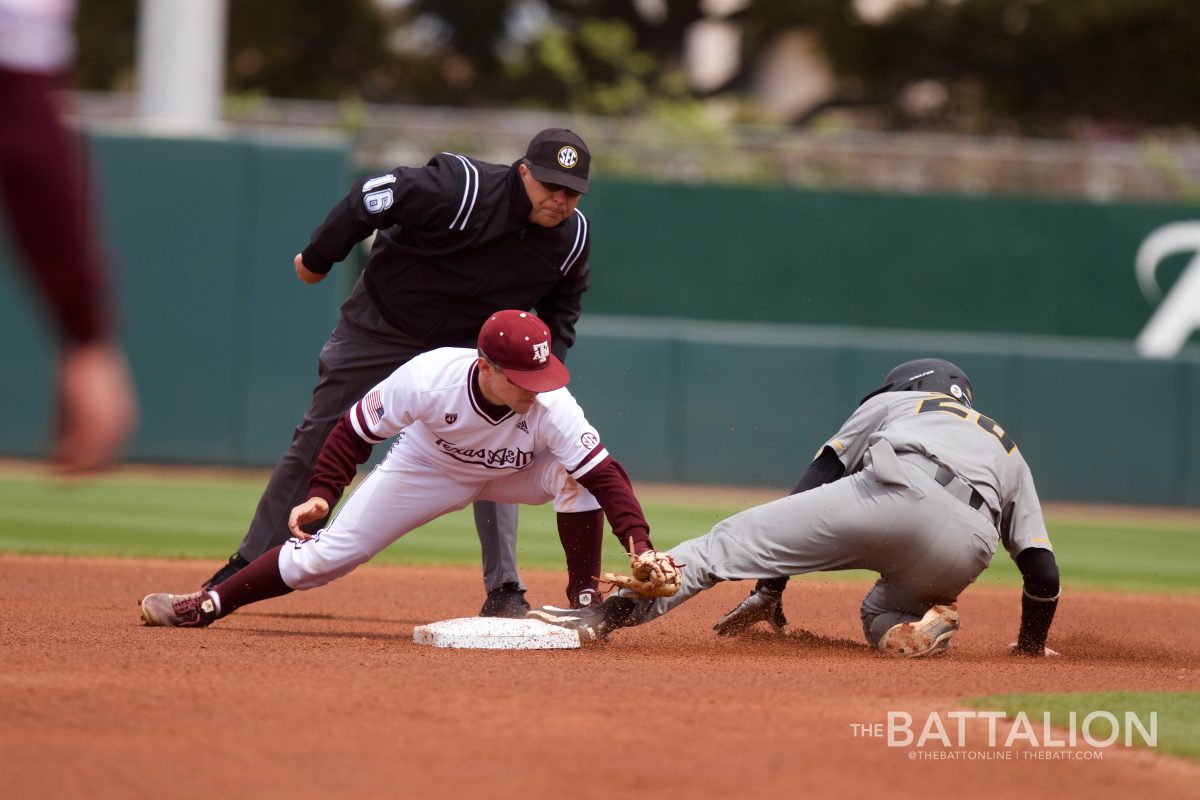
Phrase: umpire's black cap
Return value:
(558, 155)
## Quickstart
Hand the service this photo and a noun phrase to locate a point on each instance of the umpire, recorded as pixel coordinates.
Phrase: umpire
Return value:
(458, 239)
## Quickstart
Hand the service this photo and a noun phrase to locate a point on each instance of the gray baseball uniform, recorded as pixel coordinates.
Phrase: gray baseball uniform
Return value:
(931, 487)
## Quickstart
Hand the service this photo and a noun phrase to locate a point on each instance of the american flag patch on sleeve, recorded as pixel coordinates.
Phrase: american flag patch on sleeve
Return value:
(373, 405)
(365, 414)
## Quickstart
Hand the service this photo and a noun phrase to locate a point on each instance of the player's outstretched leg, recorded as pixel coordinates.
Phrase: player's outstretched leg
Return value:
(258, 581)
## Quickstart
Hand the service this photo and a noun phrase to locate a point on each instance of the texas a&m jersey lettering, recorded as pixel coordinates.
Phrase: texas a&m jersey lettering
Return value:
(492, 459)
(433, 401)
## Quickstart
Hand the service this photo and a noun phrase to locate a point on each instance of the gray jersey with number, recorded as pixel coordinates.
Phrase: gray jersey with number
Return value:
(971, 444)
(895, 513)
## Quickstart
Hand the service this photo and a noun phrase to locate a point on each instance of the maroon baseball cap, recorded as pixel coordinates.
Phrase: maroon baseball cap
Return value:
(558, 155)
(519, 344)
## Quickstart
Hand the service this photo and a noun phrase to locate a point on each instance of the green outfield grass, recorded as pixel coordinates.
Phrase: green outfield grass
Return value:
(1178, 715)
(176, 514)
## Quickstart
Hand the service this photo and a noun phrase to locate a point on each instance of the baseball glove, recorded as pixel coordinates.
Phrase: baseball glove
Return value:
(655, 574)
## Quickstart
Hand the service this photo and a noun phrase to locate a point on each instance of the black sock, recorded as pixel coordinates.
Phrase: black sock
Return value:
(776, 585)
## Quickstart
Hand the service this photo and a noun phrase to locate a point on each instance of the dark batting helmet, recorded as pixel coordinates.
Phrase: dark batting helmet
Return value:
(928, 375)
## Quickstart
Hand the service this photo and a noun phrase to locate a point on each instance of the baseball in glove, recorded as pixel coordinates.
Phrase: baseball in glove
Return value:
(655, 574)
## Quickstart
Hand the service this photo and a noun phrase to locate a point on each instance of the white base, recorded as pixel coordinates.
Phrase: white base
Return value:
(495, 633)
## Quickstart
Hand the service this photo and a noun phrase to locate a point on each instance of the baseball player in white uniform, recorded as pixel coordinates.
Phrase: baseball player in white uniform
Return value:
(496, 423)
(916, 485)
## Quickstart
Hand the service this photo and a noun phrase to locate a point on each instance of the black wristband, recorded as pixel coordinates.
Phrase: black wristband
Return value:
(1036, 616)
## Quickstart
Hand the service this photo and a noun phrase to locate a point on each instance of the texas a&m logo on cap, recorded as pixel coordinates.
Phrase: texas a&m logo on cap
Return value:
(518, 343)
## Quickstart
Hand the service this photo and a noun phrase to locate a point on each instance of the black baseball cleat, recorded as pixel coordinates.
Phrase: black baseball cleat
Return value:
(506, 600)
(780, 621)
(230, 568)
(594, 623)
(763, 605)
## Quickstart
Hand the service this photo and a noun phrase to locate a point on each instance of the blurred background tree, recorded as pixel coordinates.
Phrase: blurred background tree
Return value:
(1034, 67)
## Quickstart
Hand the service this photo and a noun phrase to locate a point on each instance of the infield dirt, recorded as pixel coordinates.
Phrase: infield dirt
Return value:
(323, 694)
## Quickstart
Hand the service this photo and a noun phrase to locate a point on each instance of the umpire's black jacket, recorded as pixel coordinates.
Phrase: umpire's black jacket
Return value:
(455, 244)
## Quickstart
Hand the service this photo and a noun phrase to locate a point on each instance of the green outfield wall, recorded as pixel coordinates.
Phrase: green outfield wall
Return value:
(1028, 266)
(727, 334)
(750, 404)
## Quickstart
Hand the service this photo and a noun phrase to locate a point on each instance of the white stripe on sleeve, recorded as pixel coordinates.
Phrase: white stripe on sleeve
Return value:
(577, 248)
(590, 464)
(358, 422)
(470, 192)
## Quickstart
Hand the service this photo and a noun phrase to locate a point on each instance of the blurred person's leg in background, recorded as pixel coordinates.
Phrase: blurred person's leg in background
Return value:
(47, 204)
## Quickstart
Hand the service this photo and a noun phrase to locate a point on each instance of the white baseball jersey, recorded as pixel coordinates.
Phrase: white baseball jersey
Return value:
(432, 406)
(451, 449)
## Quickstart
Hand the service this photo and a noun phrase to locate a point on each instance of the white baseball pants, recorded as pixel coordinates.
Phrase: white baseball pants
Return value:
(399, 496)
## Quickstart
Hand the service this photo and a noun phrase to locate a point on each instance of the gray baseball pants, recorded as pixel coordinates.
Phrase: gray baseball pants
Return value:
(363, 350)
(891, 517)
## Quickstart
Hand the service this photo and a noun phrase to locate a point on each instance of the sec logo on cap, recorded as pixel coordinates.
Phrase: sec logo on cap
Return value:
(567, 156)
